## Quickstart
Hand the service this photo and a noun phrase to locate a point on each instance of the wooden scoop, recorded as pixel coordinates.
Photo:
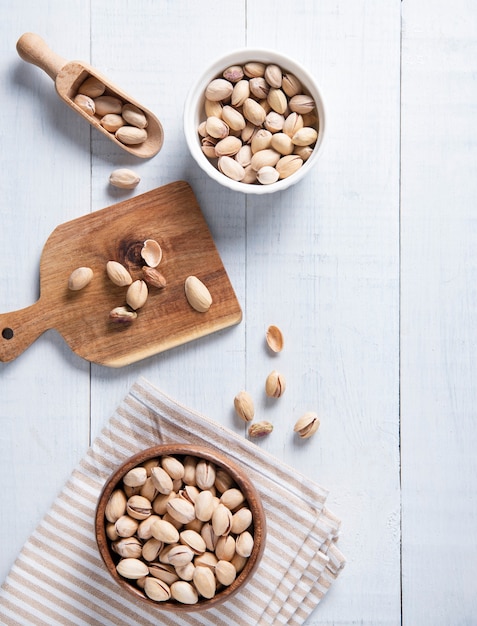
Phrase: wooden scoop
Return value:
(68, 76)
(172, 217)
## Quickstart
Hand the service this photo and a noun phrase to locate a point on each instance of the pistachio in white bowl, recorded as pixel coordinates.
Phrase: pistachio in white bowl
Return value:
(255, 121)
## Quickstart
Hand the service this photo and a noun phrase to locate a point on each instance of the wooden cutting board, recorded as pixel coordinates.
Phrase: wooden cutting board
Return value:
(171, 216)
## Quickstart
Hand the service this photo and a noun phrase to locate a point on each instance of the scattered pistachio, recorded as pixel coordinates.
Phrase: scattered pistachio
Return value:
(274, 337)
(151, 252)
(307, 425)
(244, 406)
(124, 178)
(118, 274)
(260, 429)
(275, 384)
(197, 294)
(79, 278)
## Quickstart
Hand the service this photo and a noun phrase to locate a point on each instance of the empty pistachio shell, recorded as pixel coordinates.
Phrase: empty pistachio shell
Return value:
(197, 294)
(274, 337)
(124, 178)
(151, 252)
(79, 278)
(307, 425)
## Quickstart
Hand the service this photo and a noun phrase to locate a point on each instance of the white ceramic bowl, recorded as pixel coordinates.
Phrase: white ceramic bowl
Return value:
(194, 115)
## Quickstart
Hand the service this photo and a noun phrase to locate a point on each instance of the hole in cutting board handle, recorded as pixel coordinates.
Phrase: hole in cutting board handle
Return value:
(7, 333)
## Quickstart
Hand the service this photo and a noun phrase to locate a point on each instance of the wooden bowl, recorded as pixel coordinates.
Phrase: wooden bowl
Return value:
(239, 476)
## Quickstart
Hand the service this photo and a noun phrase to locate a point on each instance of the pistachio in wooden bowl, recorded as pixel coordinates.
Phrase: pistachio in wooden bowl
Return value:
(180, 527)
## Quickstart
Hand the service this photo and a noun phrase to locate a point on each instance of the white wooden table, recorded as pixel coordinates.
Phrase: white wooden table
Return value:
(369, 266)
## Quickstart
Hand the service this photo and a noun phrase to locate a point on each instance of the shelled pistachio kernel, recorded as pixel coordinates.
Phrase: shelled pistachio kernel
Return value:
(185, 564)
(246, 99)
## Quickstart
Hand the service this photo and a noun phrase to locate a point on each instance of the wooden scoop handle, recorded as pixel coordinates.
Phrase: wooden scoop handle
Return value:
(19, 329)
(33, 49)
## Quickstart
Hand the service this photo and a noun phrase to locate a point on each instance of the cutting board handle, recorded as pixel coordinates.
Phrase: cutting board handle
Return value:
(19, 329)
(33, 49)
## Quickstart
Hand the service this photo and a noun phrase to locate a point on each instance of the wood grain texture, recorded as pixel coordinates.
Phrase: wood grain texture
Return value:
(169, 215)
(439, 313)
(368, 267)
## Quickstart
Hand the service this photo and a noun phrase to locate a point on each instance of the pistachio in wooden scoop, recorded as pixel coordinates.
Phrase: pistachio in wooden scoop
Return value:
(141, 133)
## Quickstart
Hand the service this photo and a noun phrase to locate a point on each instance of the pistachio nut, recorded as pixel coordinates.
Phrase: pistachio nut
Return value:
(107, 104)
(260, 429)
(164, 531)
(204, 581)
(241, 520)
(273, 75)
(154, 277)
(124, 178)
(180, 555)
(216, 127)
(244, 544)
(204, 506)
(275, 384)
(132, 568)
(92, 87)
(126, 526)
(291, 85)
(116, 505)
(301, 103)
(164, 572)
(244, 406)
(205, 474)
(118, 274)
(253, 112)
(306, 136)
(197, 294)
(184, 592)
(181, 510)
(150, 550)
(134, 115)
(79, 278)
(85, 103)
(156, 589)
(232, 498)
(136, 294)
(112, 121)
(307, 425)
(130, 135)
(127, 547)
(122, 315)
(231, 168)
(161, 480)
(221, 520)
(234, 73)
(136, 477)
(225, 573)
(219, 89)
(139, 507)
(288, 165)
(225, 548)
(267, 175)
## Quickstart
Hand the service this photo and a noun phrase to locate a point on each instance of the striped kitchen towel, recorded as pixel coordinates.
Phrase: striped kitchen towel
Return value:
(59, 577)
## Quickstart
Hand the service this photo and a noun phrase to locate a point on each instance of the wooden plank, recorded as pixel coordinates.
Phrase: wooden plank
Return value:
(323, 264)
(44, 408)
(439, 313)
